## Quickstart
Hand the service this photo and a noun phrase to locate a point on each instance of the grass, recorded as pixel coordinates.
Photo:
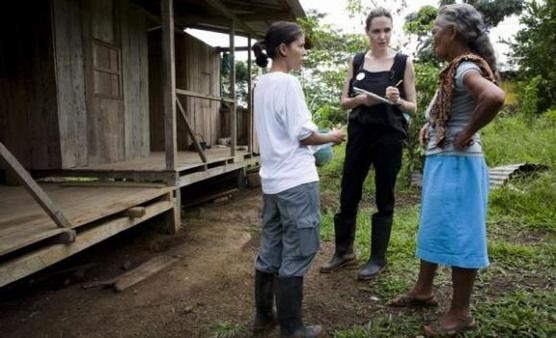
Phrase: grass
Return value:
(229, 330)
(515, 296)
(513, 139)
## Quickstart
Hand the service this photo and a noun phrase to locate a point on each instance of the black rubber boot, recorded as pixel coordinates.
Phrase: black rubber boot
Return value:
(380, 238)
(289, 297)
(344, 232)
(265, 318)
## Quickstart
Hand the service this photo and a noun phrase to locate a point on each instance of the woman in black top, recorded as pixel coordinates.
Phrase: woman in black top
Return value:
(376, 131)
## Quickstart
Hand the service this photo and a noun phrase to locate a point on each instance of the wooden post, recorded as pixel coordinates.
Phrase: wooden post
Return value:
(169, 83)
(249, 98)
(233, 108)
(173, 216)
(173, 219)
(34, 189)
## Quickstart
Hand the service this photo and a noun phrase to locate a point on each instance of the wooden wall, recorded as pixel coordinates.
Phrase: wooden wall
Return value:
(28, 102)
(72, 110)
(101, 65)
(198, 70)
(136, 79)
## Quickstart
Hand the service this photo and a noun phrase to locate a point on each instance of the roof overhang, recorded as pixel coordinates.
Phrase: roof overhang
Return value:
(250, 17)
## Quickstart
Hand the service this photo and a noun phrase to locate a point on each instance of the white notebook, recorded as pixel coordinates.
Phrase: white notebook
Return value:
(378, 97)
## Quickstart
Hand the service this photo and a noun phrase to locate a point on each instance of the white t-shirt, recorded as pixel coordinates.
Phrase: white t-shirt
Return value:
(282, 120)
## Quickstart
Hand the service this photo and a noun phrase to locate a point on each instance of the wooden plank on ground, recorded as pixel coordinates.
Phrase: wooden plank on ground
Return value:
(143, 272)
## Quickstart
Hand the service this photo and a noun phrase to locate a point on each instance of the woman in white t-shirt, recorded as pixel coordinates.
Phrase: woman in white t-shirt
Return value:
(291, 211)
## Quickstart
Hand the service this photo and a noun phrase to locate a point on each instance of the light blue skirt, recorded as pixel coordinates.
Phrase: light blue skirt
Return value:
(452, 228)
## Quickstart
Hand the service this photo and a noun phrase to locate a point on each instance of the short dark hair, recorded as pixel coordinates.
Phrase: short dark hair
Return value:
(278, 33)
(376, 13)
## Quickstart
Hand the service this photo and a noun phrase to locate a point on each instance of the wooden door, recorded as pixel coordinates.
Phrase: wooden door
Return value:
(105, 95)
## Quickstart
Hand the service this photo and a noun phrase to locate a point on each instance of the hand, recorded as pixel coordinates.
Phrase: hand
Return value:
(463, 140)
(366, 100)
(424, 135)
(393, 94)
(336, 136)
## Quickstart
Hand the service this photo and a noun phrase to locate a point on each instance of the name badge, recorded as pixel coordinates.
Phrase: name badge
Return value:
(360, 76)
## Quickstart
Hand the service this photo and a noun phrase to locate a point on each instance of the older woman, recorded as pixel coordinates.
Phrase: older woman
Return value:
(452, 228)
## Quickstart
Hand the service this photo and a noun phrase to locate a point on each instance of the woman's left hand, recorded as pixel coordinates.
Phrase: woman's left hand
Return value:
(393, 94)
(463, 140)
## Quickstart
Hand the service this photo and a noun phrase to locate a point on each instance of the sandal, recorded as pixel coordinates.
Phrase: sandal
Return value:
(436, 330)
(406, 300)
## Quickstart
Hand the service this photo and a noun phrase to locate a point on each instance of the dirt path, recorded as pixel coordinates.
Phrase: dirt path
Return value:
(211, 283)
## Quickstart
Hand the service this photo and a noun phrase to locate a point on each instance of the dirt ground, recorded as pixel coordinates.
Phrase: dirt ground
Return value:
(211, 283)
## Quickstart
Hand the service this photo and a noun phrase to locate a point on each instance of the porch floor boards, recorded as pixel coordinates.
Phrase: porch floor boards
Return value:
(23, 222)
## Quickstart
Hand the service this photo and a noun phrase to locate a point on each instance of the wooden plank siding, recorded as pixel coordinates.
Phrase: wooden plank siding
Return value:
(198, 70)
(136, 78)
(28, 103)
(72, 112)
(102, 75)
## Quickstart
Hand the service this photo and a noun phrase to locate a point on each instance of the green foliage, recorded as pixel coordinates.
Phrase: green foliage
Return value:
(328, 116)
(421, 22)
(519, 314)
(528, 94)
(494, 11)
(511, 139)
(535, 47)
(325, 67)
(242, 77)
(528, 201)
(228, 330)
(515, 296)
(426, 82)
(384, 324)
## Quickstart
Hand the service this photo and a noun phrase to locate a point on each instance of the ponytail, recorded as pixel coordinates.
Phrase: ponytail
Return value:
(261, 57)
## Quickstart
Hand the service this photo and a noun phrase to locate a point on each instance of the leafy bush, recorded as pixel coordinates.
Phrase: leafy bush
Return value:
(426, 83)
(528, 93)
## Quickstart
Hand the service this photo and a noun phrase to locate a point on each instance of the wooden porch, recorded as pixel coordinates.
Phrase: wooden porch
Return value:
(30, 239)
(120, 93)
(190, 168)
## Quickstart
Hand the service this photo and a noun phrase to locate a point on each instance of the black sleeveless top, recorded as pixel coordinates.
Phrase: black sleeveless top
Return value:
(382, 114)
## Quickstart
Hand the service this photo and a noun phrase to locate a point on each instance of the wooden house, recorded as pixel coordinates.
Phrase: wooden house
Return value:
(105, 109)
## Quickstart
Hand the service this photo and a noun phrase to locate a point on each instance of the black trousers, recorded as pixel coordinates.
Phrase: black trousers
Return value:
(368, 144)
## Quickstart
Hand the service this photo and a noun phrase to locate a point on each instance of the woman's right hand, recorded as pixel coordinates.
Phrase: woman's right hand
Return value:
(336, 136)
(424, 135)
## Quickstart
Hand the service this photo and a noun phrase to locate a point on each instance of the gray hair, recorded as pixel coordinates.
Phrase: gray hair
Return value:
(376, 13)
(470, 26)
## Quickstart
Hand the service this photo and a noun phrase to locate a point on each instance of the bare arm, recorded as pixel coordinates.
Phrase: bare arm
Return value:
(335, 136)
(409, 104)
(347, 102)
(489, 99)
